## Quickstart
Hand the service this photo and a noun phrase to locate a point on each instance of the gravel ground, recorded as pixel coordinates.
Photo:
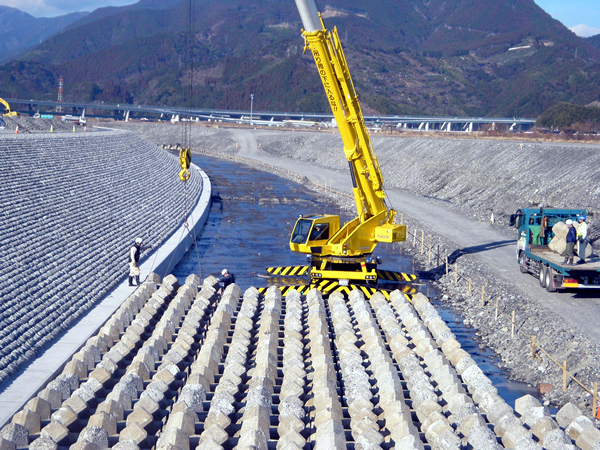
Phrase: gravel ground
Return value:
(468, 178)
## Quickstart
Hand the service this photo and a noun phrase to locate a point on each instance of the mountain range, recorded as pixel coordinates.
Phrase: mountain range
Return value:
(465, 57)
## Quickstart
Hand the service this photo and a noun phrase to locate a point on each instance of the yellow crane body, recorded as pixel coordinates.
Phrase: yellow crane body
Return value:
(338, 251)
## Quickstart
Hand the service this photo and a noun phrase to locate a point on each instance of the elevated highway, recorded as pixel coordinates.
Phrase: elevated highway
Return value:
(124, 111)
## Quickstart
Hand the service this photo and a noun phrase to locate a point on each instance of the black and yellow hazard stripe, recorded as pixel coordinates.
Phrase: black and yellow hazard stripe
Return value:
(401, 277)
(288, 271)
(327, 287)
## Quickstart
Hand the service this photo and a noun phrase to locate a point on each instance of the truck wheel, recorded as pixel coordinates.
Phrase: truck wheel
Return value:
(522, 262)
(550, 287)
(542, 276)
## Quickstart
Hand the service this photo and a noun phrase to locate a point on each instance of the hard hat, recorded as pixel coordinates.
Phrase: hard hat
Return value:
(138, 240)
(223, 272)
(582, 217)
(569, 222)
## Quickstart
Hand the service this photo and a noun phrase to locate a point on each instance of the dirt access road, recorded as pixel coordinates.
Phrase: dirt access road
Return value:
(493, 247)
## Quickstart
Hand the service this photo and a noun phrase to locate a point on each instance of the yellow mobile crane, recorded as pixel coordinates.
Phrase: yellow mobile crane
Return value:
(341, 255)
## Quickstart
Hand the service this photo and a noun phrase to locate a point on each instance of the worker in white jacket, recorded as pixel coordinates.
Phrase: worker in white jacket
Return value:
(582, 236)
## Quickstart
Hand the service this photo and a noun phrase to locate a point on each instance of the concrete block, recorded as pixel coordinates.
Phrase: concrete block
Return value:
(436, 429)
(217, 418)
(481, 437)
(139, 368)
(567, 414)
(213, 433)
(95, 435)
(113, 408)
(513, 434)
(15, 433)
(543, 427)
(289, 423)
(556, 440)
(369, 439)
(577, 426)
(174, 438)
(254, 439)
(84, 445)
(410, 442)
(497, 410)
(149, 401)
(256, 418)
(29, 419)
(133, 432)
(330, 436)
(41, 443)
(140, 417)
(64, 415)
(55, 431)
(101, 374)
(506, 421)
(121, 397)
(39, 406)
(76, 367)
(182, 421)
(291, 441)
(104, 420)
(523, 404)
(447, 440)
(589, 439)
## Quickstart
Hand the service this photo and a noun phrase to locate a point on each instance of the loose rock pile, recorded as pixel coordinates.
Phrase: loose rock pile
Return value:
(187, 367)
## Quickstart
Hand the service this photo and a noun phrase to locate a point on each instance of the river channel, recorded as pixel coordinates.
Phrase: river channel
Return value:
(251, 218)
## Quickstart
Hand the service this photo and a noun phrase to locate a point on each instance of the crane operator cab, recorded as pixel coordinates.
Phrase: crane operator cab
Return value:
(312, 232)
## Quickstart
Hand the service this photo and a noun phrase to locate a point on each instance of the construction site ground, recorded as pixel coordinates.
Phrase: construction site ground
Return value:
(181, 366)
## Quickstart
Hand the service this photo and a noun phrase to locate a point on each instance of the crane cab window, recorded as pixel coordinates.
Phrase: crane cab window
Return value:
(319, 232)
(301, 231)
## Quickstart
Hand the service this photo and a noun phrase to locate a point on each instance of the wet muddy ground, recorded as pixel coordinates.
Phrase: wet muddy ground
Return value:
(251, 218)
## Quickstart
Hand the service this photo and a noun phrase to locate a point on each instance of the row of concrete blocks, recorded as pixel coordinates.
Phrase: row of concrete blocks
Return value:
(327, 413)
(65, 395)
(291, 405)
(256, 418)
(162, 351)
(447, 414)
(354, 353)
(205, 368)
(532, 427)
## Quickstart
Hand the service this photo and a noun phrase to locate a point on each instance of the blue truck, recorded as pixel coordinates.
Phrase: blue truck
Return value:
(535, 257)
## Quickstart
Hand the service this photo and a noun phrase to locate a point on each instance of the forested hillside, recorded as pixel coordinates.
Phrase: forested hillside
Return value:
(480, 58)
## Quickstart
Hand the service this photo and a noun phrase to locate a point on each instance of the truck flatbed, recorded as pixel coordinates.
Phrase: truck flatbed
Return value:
(542, 251)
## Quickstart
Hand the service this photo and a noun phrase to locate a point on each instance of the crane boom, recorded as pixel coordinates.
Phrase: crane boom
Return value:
(321, 235)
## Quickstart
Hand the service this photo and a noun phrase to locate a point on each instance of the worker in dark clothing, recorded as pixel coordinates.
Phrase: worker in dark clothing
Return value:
(571, 240)
(226, 279)
(134, 257)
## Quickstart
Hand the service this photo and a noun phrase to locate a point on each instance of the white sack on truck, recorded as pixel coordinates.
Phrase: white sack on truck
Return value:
(558, 243)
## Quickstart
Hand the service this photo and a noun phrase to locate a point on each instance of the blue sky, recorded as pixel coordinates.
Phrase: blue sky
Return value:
(583, 14)
(574, 13)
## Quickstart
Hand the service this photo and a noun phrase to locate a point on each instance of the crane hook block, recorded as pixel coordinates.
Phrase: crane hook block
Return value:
(185, 159)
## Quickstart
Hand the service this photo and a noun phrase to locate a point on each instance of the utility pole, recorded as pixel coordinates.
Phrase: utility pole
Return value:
(251, 105)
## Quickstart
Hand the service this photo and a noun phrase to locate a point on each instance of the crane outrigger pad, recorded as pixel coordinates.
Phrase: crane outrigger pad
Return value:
(381, 275)
(327, 287)
(388, 275)
(288, 271)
